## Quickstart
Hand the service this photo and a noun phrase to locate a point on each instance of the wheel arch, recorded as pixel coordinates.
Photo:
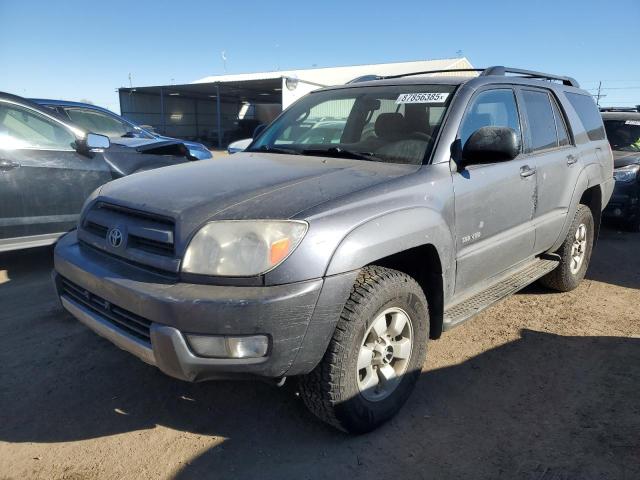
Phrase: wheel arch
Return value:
(415, 241)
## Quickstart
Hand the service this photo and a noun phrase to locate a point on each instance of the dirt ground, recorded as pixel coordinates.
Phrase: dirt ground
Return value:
(543, 386)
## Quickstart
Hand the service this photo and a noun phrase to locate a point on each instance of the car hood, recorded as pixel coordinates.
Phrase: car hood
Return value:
(247, 186)
(622, 159)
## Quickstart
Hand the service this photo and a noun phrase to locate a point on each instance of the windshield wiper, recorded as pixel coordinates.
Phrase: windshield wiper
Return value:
(270, 149)
(338, 152)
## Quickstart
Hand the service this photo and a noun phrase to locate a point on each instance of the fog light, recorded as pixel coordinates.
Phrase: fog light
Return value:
(617, 212)
(216, 346)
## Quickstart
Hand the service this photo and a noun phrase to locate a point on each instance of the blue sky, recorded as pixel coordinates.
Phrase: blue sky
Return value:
(85, 50)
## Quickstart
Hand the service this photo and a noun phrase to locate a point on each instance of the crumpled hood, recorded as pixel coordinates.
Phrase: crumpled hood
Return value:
(622, 159)
(247, 186)
(135, 142)
(126, 160)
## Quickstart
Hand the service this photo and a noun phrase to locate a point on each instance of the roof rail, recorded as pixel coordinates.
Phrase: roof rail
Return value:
(502, 71)
(484, 72)
(433, 71)
(365, 78)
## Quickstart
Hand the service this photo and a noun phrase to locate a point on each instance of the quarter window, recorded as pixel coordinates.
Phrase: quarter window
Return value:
(540, 121)
(589, 115)
(492, 108)
(23, 128)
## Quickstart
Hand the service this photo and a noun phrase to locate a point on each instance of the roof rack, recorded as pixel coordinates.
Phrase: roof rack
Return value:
(502, 71)
(498, 71)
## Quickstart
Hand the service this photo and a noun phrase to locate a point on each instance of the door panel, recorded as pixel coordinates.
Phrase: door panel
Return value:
(12, 207)
(55, 186)
(494, 202)
(556, 162)
(494, 212)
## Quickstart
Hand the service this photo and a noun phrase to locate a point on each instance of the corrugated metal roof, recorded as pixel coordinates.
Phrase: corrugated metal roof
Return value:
(340, 75)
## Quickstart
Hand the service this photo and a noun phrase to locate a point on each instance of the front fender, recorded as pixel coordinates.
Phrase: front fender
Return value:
(392, 233)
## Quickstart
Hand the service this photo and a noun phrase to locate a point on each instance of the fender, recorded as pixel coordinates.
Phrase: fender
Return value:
(396, 232)
(588, 178)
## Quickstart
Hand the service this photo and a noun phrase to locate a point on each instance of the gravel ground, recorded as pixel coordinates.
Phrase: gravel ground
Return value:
(543, 386)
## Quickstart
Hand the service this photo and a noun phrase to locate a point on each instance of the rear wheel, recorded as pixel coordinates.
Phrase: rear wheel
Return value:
(575, 253)
(375, 356)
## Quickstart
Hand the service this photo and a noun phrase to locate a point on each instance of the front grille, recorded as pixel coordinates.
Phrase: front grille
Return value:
(127, 321)
(150, 245)
(146, 238)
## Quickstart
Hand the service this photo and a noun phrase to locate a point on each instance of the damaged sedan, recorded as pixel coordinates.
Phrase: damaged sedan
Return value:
(48, 168)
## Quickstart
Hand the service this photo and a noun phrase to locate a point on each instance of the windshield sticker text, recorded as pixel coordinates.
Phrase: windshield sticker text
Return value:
(422, 98)
(629, 122)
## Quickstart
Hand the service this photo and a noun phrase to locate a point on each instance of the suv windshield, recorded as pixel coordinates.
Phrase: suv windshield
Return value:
(623, 134)
(395, 124)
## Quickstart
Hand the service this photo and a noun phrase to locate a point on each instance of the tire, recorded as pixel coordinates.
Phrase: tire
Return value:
(341, 394)
(568, 275)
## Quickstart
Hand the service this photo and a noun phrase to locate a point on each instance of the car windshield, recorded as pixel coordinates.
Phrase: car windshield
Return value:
(104, 124)
(394, 124)
(624, 134)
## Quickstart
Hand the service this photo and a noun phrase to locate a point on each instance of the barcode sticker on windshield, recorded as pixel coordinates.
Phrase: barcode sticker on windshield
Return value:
(632, 122)
(422, 98)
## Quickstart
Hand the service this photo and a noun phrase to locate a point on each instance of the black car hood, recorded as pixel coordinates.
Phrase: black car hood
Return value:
(247, 186)
(126, 160)
(622, 159)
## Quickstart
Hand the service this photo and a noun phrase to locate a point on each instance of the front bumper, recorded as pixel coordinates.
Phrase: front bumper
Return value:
(148, 314)
(625, 201)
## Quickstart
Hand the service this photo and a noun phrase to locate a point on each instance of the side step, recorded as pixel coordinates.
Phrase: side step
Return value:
(462, 311)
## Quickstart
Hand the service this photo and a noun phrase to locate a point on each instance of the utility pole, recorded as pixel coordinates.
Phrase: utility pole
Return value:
(599, 94)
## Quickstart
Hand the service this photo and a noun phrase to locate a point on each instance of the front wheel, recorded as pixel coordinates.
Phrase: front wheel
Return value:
(375, 355)
(575, 253)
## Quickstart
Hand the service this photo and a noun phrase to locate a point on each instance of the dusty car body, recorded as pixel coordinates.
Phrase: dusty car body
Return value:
(47, 171)
(335, 262)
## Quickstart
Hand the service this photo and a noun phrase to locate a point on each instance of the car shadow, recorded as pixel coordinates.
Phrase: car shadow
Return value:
(541, 405)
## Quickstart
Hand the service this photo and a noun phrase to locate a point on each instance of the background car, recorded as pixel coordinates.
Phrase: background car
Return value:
(119, 130)
(239, 145)
(623, 132)
(48, 168)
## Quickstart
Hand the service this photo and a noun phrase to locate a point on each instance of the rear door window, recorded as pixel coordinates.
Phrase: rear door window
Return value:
(541, 123)
(589, 115)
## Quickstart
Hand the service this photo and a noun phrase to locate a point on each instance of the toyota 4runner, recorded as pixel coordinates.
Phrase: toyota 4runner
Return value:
(334, 260)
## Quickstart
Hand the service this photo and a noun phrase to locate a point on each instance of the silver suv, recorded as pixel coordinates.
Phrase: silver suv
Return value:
(335, 261)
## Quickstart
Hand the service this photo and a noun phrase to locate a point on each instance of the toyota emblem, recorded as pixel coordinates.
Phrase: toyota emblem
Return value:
(115, 237)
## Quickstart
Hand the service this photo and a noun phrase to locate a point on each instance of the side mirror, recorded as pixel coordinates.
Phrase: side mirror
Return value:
(94, 140)
(490, 145)
(259, 130)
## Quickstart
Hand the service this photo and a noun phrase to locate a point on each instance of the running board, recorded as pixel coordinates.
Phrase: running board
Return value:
(462, 311)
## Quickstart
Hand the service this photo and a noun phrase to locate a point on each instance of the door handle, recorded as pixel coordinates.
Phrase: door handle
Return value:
(571, 159)
(6, 165)
(527, 171)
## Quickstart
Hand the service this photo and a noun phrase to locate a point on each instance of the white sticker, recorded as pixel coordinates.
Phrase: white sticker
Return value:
(629, 122)
(422, 98)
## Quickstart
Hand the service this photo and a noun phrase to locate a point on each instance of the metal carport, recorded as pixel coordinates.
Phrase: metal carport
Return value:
(208, 112)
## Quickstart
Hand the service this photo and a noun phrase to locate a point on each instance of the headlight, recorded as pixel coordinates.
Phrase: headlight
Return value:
(626, 174)
(242, 248)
